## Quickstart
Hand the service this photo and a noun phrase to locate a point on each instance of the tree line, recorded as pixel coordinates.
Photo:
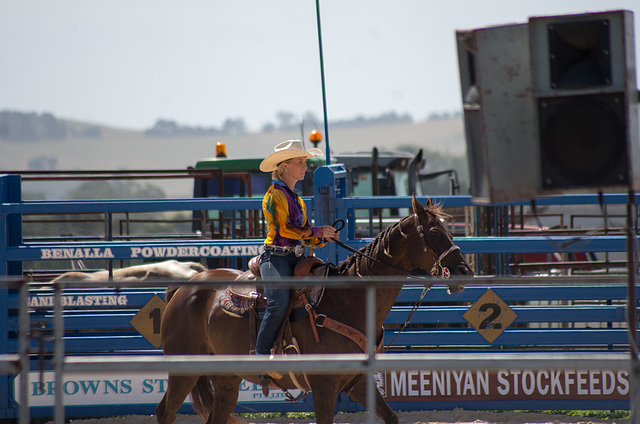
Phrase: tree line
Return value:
(20, 126)
(284, 121)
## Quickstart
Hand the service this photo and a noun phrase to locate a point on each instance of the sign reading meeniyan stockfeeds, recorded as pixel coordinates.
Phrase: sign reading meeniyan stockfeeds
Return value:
(505, 384)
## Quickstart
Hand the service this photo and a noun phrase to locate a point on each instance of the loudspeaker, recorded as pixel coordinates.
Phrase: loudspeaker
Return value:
(499, 112)
(584, 88)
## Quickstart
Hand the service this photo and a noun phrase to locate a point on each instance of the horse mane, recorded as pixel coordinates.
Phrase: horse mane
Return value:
(435, 209)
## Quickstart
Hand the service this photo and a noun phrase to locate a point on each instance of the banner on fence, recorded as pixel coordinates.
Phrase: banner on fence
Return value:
(505, 384)
(146, 252)
(119, 389)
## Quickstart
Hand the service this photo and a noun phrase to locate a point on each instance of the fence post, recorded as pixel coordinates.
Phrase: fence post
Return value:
(10, 235)
(329, 185)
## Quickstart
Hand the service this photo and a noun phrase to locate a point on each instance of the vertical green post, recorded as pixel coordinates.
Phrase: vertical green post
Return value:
(324, 96)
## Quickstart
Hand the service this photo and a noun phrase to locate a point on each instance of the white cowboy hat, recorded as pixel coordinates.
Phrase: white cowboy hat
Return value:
(287, 150)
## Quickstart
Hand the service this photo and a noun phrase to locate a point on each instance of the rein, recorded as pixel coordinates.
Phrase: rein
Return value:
(414, 309)
(371, 258)
(436, 269)
(437, 266)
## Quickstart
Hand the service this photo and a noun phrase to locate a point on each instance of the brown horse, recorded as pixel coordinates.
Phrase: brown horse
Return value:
(193, 322)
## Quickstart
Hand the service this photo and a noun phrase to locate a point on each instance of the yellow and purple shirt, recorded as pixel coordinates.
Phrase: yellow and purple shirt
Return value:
(286, 216)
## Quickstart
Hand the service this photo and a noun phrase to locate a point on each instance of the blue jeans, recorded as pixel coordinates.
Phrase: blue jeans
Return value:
(272, 267)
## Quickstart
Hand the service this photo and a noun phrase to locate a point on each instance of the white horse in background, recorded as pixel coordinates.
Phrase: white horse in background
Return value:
(171, 269)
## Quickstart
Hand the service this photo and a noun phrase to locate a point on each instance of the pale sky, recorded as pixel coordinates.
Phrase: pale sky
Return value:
(126, 63)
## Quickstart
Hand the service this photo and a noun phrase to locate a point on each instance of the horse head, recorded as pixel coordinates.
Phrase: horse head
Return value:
(438, 244)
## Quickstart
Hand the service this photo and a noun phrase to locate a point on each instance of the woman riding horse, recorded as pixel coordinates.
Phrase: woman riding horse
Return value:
(195, 323)
(289, 233)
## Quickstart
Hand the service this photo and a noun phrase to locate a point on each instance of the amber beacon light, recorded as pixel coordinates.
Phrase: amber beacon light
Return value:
(221, 150)
(315, 137)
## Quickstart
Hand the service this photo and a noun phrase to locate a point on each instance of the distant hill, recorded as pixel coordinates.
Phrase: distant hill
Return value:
(29, 126)
(124, 149)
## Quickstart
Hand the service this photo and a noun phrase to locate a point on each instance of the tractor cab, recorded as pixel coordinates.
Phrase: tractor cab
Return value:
(369, 174)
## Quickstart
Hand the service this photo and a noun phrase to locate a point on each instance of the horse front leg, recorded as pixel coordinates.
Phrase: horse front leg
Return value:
(226, 389)
(325, 391)
(178, 389)
(383, 410)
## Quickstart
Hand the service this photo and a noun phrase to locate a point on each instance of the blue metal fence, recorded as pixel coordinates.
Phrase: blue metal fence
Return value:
(108, 329)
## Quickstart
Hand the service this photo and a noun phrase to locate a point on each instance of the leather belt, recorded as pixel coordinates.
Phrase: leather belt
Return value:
(298, 250)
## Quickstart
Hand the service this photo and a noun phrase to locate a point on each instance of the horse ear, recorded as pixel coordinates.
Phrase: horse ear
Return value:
(417, 206)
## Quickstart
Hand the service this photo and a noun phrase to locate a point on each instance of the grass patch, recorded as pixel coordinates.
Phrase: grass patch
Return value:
(297, 415)
(598, 414)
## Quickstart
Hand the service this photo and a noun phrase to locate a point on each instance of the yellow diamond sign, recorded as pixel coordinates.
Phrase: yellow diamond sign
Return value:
(490, 315)
(147, 320)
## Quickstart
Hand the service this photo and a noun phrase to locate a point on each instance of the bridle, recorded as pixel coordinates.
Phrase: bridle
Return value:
(438, 268)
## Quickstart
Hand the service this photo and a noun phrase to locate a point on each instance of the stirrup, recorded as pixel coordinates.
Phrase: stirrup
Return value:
(264, 381)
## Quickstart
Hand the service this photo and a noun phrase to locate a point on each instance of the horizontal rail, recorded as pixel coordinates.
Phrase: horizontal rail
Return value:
(344, 363)
(512, 338)
(133, 249)
(526, 314)
(119, 320)
(9, 364)
(130, 205)
(148, 205)
(527, 288)
(532, 244)
(354, 282)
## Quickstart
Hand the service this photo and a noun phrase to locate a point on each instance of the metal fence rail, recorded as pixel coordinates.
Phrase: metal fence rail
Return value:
(366, 362)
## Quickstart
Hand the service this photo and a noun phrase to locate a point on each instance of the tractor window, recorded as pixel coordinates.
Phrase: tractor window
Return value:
(259, 183)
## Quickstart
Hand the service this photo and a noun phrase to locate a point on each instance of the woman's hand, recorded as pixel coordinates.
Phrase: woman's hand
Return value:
(329, 232)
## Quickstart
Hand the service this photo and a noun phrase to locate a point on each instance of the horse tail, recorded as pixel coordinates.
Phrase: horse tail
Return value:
(202, 398)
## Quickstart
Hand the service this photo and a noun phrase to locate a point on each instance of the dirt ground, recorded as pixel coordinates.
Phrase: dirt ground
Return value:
(457, 416)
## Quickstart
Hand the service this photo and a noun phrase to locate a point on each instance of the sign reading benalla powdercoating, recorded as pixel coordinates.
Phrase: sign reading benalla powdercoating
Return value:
(160, 251)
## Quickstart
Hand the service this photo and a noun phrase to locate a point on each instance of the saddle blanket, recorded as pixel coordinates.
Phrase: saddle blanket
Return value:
(238, 307)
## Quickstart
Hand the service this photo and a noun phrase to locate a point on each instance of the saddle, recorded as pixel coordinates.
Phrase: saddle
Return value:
(241, 301)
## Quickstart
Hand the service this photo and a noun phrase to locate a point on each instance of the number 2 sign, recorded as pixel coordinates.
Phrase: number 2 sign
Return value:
(489, 315)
